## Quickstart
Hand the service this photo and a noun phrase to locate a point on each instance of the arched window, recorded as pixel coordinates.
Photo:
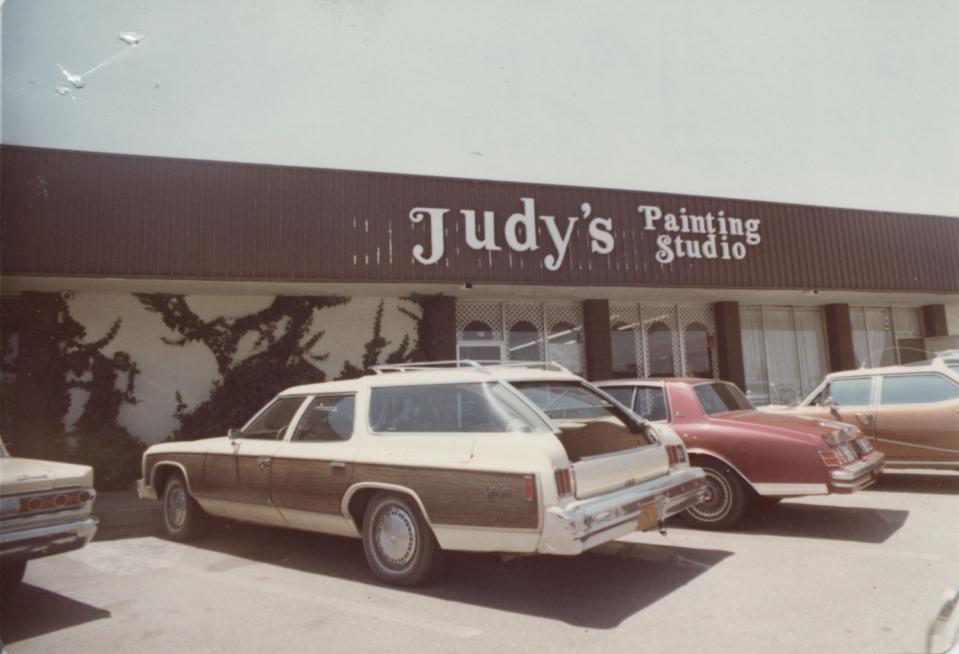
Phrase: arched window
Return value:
(524, 342)
(623, 341)
(564, 346)
(698, 361)
(660, 340)
(477, 331)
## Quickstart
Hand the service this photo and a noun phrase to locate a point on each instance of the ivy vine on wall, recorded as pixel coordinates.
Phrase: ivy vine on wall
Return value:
(373, 348)
(73, 363)
(283, 356)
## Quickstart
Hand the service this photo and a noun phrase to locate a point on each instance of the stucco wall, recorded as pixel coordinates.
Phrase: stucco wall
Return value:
(191, 369)
(952, 319)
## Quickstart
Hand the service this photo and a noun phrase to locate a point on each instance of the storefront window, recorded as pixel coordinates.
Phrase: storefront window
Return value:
(523, 342)
(564, 345)
(660, 339)
(754, 355)
(477, 331)
(517, 331)
(784, 352)
(663, 340)
(623, 341)
(698, 363)
(886, 337)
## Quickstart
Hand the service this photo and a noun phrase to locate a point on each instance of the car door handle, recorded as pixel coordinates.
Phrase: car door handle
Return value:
(263, 461)
(338, 464)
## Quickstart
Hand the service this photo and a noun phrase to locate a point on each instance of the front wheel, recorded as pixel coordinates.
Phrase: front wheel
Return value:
(725, 502)
(182, 516)
(400, 547)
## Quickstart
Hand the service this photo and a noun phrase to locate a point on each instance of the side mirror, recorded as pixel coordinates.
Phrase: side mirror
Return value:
(833, 407)
(233, 433)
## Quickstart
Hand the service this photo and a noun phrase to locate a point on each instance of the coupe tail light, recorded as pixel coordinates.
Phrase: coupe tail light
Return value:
(838, 456)
(863, 445)
(564, 482)
(676, 454)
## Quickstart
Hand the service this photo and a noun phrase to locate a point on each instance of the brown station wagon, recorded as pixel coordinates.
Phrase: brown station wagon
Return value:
(912, 411)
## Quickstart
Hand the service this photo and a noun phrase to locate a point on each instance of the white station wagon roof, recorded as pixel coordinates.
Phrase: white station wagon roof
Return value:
(419, 374)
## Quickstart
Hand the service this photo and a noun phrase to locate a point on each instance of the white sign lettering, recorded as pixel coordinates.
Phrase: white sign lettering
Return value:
(692, 236)
(679, 235)
(519, 232)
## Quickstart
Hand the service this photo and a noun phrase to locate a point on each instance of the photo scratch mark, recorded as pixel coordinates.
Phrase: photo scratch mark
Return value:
(78, 80)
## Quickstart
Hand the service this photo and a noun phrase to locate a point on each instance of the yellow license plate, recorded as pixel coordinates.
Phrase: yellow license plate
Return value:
(648, 517)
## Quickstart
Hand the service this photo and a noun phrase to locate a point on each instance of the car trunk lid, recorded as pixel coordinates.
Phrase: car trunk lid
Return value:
(608, 448)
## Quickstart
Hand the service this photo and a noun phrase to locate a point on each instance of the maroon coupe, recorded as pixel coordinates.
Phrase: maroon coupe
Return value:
(750, 456)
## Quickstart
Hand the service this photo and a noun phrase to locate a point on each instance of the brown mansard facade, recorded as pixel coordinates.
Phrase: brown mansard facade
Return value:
(611, 283)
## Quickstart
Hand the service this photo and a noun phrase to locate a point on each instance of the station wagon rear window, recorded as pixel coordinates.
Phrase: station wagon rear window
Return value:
(589, 424)
(476, 407)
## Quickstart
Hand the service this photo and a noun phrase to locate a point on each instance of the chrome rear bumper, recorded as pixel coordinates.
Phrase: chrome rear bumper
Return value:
(43, 540)
(580, 525)
(858, 475)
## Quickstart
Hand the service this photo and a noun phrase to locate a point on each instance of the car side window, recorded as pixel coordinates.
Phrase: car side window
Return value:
(856, 391)
(271, 424)
(651, 403)
(917, 389)
(622, 394)
(327, 418)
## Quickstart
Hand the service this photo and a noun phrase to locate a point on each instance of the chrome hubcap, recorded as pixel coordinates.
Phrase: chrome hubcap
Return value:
(176, 506)
(717, 501)
(396, 537)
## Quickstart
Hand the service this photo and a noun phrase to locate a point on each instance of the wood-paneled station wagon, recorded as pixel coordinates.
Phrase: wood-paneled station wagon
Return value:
(421, 459)
(911, 411)
(750, 456)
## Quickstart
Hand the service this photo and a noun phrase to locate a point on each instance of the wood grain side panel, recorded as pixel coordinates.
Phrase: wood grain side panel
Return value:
(253, 482)
(309, 485)
(219, 477)
(192, 464)
(459, 497)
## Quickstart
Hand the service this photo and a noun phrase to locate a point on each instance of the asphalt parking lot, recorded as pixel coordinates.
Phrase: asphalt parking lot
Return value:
(856, 573)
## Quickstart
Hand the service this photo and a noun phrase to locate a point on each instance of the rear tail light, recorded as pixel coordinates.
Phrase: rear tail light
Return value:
(530, 486)
(55, 501)
(863, 445)
(838, 456)
(676, 454)
(564, 482)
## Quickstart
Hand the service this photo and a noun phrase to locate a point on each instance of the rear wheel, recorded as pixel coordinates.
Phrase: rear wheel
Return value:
(182, 516)
(726, 498)
(399, 545)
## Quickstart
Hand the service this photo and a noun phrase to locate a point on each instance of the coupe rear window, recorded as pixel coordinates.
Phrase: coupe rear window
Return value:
(719, 397)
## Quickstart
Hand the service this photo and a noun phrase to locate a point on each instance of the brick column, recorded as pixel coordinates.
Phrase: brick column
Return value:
(934, 321)
(842, 354)
(36, 417)
(597, 340)
(437, 330)
(729, 341)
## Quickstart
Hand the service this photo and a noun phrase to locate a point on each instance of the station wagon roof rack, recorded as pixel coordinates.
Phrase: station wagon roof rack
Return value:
(479, 365)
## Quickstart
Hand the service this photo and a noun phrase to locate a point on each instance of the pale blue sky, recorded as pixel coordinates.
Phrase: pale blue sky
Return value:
(851, 103)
